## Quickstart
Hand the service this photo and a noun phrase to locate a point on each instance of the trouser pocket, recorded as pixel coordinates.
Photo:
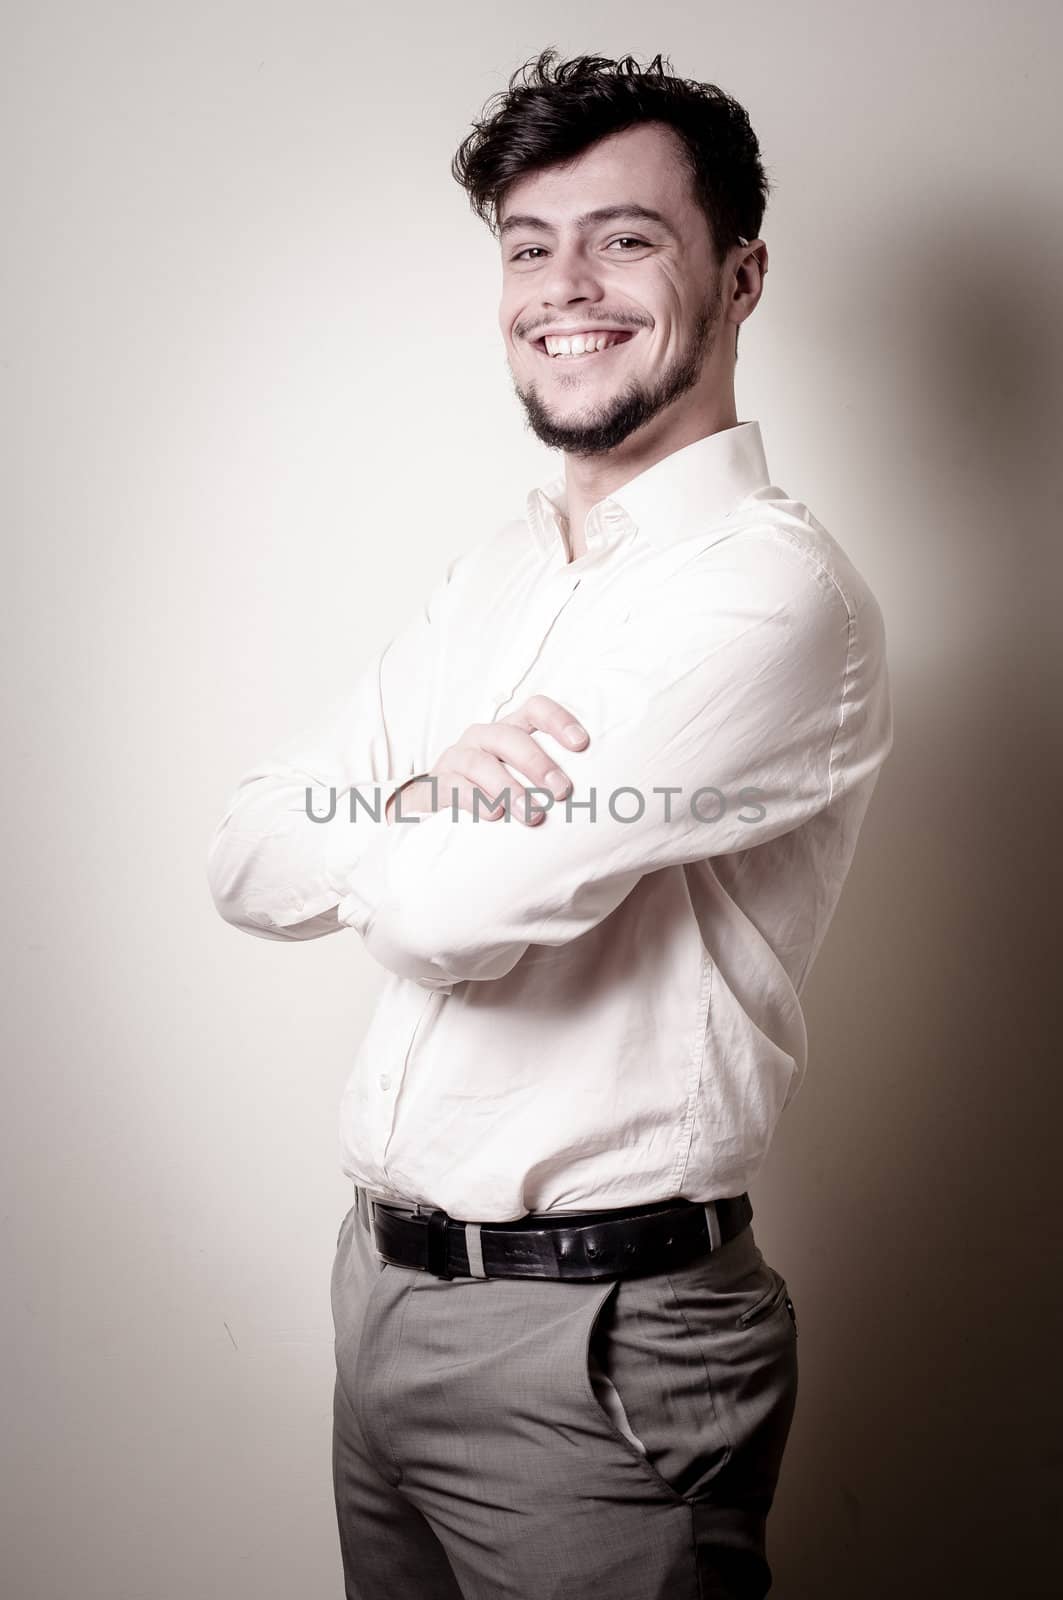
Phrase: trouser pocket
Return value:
(775, 1299)
(695, 1371)
(650, 1388)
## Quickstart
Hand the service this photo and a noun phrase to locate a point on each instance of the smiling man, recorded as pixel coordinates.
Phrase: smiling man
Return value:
(591, 811)
(618, 344)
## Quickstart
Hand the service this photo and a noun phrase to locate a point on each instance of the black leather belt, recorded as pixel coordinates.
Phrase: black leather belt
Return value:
(581, 1246)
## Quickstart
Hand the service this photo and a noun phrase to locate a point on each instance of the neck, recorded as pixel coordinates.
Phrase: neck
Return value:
(589, 479)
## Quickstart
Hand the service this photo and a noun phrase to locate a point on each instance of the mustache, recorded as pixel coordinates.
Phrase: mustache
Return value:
(620, 323)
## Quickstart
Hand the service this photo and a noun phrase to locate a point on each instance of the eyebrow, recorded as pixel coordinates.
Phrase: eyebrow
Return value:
(589, 218)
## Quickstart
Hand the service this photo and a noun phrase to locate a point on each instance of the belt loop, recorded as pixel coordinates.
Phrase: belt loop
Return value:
(474, 1250)
(715, 1237)
(437, 1244)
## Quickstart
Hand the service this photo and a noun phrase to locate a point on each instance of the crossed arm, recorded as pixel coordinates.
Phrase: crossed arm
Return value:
(270, 868)
(742, 731)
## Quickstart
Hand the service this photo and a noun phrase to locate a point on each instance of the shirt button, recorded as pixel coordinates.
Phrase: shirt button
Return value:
(384, 1081)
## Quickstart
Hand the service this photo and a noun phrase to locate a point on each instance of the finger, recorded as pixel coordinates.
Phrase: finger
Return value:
(466, 763)
(516, 747)
(461, 795)
(543, 712)
(497, 783)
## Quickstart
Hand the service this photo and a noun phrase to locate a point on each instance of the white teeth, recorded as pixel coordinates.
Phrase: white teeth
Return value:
(579, 344)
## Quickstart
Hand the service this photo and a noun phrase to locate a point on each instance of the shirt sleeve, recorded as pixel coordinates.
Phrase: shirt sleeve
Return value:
(271, 867)
(715, 725)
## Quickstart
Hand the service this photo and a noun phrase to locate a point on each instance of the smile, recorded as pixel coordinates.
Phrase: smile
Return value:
(618, 338)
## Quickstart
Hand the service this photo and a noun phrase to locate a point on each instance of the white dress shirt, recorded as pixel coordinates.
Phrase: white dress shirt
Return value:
(601, 1010)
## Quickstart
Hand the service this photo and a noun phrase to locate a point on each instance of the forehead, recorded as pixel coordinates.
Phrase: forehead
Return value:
(645, 165)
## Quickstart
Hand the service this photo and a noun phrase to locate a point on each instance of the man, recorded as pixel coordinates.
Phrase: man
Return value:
(563, 1365)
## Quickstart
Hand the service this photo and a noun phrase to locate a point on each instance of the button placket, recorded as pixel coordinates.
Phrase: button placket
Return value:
(389, 1099)
(500, 695)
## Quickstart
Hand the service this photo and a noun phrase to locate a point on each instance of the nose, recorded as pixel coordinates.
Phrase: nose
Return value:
(570, 276)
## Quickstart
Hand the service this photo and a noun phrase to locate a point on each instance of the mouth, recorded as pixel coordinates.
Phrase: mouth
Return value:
(619, 337)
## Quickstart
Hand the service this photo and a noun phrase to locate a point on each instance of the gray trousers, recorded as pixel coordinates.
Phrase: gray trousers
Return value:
(526, 1439)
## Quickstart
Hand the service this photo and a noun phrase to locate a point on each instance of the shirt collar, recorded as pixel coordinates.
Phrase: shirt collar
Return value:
(675, 498)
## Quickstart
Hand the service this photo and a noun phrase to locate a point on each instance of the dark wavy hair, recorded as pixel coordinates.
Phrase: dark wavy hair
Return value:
(553, 110)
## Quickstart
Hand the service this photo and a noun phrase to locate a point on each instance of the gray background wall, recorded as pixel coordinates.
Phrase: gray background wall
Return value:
(254, 397)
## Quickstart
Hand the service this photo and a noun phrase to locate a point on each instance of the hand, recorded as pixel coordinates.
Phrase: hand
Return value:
(477, 760)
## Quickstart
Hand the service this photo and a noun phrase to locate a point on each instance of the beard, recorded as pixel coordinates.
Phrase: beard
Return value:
(607, 425)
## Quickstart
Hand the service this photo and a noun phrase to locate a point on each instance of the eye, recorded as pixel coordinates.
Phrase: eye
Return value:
(624, 238)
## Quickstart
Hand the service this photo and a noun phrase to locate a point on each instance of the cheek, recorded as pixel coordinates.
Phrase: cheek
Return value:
(510, 311)
(508, 326)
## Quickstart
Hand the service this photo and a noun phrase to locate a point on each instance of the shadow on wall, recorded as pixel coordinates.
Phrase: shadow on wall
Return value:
(926, 1456)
